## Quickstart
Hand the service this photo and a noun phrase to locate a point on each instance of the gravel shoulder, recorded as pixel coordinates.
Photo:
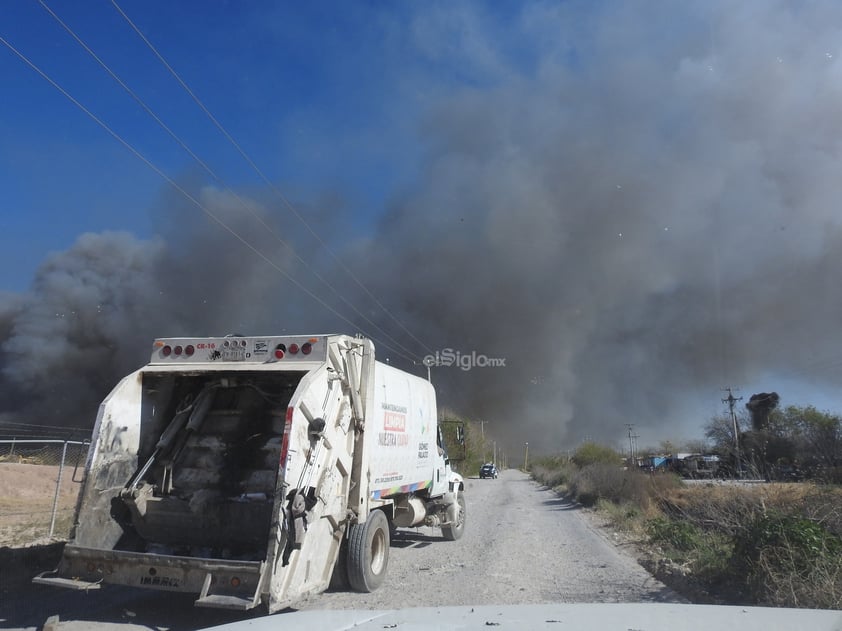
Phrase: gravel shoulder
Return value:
(523, 544)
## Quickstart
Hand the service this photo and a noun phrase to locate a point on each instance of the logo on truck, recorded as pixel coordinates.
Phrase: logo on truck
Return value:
(394, 426)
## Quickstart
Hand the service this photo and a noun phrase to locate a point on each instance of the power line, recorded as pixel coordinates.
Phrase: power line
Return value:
(216, 177)
(188, 196)
(260, 173)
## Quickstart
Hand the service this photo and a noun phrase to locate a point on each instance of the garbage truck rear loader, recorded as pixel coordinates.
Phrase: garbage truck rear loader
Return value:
(255, 470)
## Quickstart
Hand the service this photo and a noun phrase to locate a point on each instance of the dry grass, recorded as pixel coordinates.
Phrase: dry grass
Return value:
(772, 544)
(27, 493)
(784, 540)
(727, 507)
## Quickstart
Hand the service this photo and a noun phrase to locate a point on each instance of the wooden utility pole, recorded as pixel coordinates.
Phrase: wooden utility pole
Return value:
(630, 427)
(731, 401)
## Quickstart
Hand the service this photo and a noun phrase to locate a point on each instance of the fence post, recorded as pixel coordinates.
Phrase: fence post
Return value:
(58, 488)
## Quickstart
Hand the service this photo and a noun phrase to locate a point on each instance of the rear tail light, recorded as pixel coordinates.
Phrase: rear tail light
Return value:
(306, 348)
(189, 350)
(293, 349)
(280, 351)
(166, 351)
(178, 350)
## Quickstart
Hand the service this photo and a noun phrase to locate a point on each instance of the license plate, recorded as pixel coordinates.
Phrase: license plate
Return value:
(159, 581)
(233, 354)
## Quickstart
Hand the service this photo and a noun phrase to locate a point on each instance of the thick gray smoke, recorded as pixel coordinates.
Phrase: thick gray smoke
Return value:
(645, 214)
(638, 208)
(94, 310)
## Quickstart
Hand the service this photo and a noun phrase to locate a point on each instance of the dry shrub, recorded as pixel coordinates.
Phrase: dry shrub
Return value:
(823, 504)
(553, 473)
(718, 508)
(609, 482)
(784, 581)
(790, 561)
(819, 588)
(786, 549)
(727, 508)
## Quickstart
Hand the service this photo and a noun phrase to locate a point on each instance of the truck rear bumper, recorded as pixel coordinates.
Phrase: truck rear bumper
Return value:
(217, 581)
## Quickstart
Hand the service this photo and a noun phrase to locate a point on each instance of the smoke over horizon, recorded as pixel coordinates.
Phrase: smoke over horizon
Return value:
(634, 215)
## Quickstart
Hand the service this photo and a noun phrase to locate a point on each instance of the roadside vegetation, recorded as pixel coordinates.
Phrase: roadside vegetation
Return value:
(466, 444)
(789, 443)
(775, 544)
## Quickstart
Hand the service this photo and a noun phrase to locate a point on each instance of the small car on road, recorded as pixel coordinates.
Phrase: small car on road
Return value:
(488, 470)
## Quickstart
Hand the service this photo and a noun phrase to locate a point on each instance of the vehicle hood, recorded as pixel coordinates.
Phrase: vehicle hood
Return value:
(555, 617)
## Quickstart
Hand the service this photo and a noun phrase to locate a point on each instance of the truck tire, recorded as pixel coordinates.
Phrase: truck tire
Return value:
(368, 552)
(454, 531)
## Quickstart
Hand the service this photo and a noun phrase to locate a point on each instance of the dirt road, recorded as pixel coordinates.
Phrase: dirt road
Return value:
(522, 544)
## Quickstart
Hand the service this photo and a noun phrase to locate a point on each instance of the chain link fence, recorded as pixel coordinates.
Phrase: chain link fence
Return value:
(40, 481)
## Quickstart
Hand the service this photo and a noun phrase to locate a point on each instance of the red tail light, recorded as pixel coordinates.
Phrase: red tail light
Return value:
(280, 351)
(178, 350)
(166, 351)
(189, 350)
(306, 348)
(293, 349)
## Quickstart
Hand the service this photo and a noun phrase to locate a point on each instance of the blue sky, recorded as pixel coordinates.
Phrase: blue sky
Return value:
(304, 88)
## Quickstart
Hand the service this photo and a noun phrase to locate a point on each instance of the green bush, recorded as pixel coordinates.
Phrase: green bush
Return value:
(790, 561)
(678, 534)
(592, 453)
(625, 516)
(472, 451)
(803, 538)
(706, 554)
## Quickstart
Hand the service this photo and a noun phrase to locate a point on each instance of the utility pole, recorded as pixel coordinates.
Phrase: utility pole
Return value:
(634, 448)
(731, 401)
(482, 433)
(526, 457)
(630, 426)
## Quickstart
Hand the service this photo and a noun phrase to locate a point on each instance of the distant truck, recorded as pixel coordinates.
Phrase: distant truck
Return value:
(697, 466)
(256, 470)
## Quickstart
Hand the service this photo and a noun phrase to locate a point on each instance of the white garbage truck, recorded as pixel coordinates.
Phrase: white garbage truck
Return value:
(258, 470)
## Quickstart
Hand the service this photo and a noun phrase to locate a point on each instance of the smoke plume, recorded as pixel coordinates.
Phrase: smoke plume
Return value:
(633, 211)
(761, 406)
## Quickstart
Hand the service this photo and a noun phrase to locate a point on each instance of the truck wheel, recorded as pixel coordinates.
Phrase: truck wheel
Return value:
(455, 530)
(368, 552)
